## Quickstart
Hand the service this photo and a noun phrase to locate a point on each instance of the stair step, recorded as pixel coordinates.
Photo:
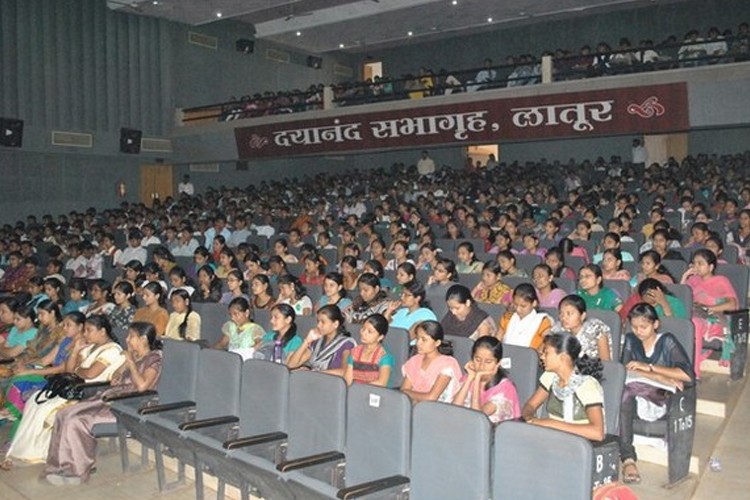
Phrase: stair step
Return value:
(712, 366)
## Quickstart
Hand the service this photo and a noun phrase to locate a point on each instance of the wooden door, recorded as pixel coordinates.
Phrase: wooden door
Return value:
(157, 182)
(661, 147)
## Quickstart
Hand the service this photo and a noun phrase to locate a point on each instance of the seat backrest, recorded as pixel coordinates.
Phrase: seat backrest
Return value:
(613, 382)
(461, 348)
(263, 318)
(447, 244)
(522, 365)
(536, 462)
(495, 311)
(620, 287)
(469, 280)
(683, 330)
(305, 324)
(675, 267)
(613, 321)
(378, 433)
(264, 400)
(213, 316)
(527, 262)
(259, 240)
(317, 413)
(179, 372)
(397, 343)
(218, 386)
(315, 292)
(450, 452)
(739, 275)
(566, 284)
(684, 293)
(514, 281)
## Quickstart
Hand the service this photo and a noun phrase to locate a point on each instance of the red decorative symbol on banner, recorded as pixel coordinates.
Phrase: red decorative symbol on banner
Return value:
(257, 142)
(647, 108)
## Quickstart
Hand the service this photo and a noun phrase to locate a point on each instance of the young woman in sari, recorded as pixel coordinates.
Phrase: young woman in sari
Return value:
(372, 299)
(95, 358)
(654, 356)
(491, 289)
(713, 295)
(326, 347)
(153, 310)
(72, 449)
(486, 387)
(464, 318)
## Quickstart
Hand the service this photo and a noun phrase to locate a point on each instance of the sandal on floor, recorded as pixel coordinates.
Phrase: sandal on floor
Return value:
(630, 474)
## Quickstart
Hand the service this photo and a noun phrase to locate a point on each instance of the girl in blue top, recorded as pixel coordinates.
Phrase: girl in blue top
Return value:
(78, 300)
(411, 310)
(283, 328)
(23, 331)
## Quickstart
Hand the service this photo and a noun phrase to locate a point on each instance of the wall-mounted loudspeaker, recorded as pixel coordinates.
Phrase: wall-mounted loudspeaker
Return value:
(244, 45)
(11, 132)
(314, 62)
(130, 141)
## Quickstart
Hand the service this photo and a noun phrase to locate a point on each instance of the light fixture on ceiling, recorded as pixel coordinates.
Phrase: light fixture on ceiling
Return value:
(409, 33)
(299, 33)
(489, 19)
(454, 2)
(341, 45)
(219, 14)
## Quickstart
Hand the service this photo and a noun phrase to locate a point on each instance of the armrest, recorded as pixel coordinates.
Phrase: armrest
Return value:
(207, 422)
(244, 442)
(165, 407)
(320, 458)
(94, 385)
(359, 490)
(129, 395)
(7, 361)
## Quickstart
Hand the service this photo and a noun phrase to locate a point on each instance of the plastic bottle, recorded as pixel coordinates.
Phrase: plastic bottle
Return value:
(277, 352)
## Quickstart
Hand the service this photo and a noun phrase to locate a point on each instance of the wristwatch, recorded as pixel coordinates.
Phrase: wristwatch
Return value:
(650, 367)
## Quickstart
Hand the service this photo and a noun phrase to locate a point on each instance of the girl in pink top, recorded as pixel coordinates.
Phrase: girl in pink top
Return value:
(432, 374)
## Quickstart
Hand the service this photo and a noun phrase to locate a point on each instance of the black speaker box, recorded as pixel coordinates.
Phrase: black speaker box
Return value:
(130, 141)
(11, 132)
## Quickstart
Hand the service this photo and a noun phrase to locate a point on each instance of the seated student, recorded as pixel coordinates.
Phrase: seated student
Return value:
(507, 262)
(240, 333)
(153, 310)
(432, 374)
(100, 292)
(570, 389)
(464, 318)
(547, 292)
(178, 279)
(327, 347)
(654, 293)
(595, 295)
(184, 323)
(72, 450)
(491, 289)
(227, 262)
(555, 259)
(125, 305)
(54, 270)
(405, 273)
(349, 271)
(370, 362)
(370, 300)
(524, 326)
(132, 273)
(209, 286)
(486, 387)
(281, 249)
(428, 257)
(443, 273)
(8, 307)
(410, 310)
(531, 246)
(293, 293)
(611, 266)
(593, 334)
(29, 377)
(611, 241)
(569, 248)
(24, 331)
(283, 330)
(467, 260)
(78, 301)
(315, 270)
(16, 274)
(95, 358)
(333, 292)
(236, 287)
(651, 267)
(134, 250)
(201, 257)
(654, 357)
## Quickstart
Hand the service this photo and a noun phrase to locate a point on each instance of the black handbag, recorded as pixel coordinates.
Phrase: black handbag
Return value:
(64, 385)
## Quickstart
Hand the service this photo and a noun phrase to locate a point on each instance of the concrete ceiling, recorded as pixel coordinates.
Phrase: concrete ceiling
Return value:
(318, 26)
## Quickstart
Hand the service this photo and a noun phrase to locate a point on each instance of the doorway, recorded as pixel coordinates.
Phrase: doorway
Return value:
(372, 69)
(481, 153)
(157, 182)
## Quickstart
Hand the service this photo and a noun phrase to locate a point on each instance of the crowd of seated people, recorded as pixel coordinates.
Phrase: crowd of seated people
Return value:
(692, 50)
(476, 254)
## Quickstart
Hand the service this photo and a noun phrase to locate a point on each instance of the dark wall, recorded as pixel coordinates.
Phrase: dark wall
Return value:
(654, 22)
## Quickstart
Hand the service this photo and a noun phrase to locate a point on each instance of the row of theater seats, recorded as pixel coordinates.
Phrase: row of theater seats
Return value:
(305, 435)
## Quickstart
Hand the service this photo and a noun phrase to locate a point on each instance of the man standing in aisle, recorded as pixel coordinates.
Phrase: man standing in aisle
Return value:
(425, 165)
